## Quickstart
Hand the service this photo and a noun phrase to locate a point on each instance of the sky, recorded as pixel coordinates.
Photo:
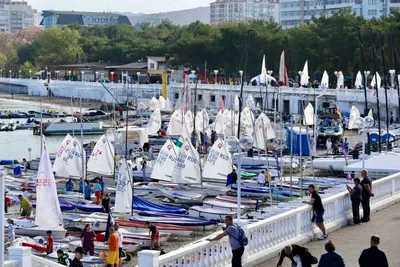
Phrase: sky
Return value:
(134, 6)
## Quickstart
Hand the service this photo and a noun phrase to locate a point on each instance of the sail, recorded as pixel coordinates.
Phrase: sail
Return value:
(231, 123)
(48, 212)
(378, 78)
(123, 194)
(168, 105)
(354, 114)
(358, 83)
(187, 167)
(250, 103)
(219, 126)
(154, 104)
(175, 123)
(370, 114)
(202, 120)
(165, 163)
(154, 123)
(142, 106)
(325, 79)
(283, 76)
(246, 122)
(304, 75)
(189, 121)
(219, 163)
(340, 80)
(263, 131)
(308, 118)
(263, 77)
(101, 160)
(69, 158)
(236, 104)
(162, 103)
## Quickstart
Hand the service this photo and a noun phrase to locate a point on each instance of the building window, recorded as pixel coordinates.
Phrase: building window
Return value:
(199, 97)
(212, 98)
(152, 66)
(176, 95)
(371, 2)
(372, 12)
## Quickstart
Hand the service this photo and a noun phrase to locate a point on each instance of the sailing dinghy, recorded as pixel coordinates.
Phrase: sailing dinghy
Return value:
(101, 160)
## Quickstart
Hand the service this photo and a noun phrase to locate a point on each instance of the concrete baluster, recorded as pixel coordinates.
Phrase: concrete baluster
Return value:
(21, 254)
(149, 258)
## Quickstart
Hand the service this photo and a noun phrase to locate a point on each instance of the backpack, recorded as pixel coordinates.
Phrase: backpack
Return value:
(242, 238)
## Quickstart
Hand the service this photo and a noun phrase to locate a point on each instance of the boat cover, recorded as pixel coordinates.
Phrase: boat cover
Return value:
(144, 205)
(88, 207)
(252, 189)
(64, 205)
(175, 219)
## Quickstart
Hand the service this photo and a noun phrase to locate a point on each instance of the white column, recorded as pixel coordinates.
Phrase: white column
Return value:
(2, 216)
(148, 258)
(21, 254)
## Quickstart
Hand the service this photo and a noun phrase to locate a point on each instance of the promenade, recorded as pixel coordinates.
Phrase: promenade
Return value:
(351, 240)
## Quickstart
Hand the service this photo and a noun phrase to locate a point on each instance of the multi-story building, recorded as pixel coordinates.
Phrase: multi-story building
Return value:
(238, 10)
(296, 12)
(61, 18)
(16, 15)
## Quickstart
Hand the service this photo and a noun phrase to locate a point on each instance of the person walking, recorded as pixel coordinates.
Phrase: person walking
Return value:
(328, 146)
(355, 196)
(373, 257)
(113, 252)
(105, 203)
(76, 262)
(88, 237)
(50, 242)
(154, 235)
(81, 184)
(26, 206)
(88, 192)
(345, 148)
(318, 209)
(69, 186)
(120, 242)
(97, 191)
(261, 178)
(234, 236)
(331, 258)
(63, 258)
(10, 230)
(298, 255)
(366, 194)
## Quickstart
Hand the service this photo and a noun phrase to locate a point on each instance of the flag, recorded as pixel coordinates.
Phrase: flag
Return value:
(339, 112)
(110, 223)
(283, 76)
(221, 104)
(177, 143)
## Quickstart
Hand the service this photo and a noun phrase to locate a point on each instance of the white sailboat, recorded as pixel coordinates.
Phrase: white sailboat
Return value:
(247, 122)
(48, 213)
(175, 123)
(236, 104)
(304, 75)
(358, 83)
(154, 104)
(378, 79)
(68, 162)
(187, 167)
(154, 123)
(218, 164)
(165, 163)
(189, 121)
(101, 160)
(325, 80)
(354, 114)
(202, 120)
(263, 131)
(162, 103)
(250, 103)
(308, 118)
(123, 196)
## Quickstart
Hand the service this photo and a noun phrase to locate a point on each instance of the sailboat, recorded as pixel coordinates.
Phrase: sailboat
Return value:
(48, 213)
(175, 123)
(165, 163)
(68, 162)
(101, 160)
(218, 164)
(154, 123)
(123, 196)
(154, 104)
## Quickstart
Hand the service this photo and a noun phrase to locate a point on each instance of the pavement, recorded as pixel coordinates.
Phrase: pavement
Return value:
(352, 240)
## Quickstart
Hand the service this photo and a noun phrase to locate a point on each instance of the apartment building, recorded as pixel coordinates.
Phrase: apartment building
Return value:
(239, 10)
(61, 18)
(16, 15)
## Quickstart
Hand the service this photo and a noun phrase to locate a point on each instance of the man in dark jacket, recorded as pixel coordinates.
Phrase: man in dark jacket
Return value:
(76, 262)
(331, 259)
(373, 257)
(292, 251)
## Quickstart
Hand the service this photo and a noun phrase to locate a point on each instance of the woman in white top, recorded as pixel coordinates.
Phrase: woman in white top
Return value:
(261, 178)
(10, 230)
(328, 146)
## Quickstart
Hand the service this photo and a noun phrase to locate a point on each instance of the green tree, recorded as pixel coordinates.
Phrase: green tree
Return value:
(3, 61)
(28, 69)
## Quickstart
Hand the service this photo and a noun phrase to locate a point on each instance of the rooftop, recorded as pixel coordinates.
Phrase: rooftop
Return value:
(158, 59)
(73, 12)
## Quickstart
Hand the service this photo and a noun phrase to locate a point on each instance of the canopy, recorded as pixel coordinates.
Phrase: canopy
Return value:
(144, 205)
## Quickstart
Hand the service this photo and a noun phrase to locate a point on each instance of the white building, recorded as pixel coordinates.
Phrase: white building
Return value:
(16, 15)
(296, 12)
(239, 10)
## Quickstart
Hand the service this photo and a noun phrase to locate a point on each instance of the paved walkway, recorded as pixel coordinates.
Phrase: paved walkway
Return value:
(351, 240)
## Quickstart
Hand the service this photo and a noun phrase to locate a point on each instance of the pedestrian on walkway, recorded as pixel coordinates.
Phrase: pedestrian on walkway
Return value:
(366, 194)
(234, 240)
(355, 196)
(26, 206)
(318, 209)
(298, 255)
(113, 251)
(373, 257)
(261, 179)
(88, 236)
(331, 258)
(105, 203)
(120, 243)
(97, 191)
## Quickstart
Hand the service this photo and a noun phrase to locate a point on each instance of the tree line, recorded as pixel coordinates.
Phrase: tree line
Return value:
(328, 43)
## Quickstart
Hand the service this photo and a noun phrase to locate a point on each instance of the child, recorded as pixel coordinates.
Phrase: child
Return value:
(10, 230)
(50, 242)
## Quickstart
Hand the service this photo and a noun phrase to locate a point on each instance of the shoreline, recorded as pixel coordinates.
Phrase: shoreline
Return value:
(65, 102)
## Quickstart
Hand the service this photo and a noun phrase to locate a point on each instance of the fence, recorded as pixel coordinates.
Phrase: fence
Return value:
(22, 257)
(269, 236)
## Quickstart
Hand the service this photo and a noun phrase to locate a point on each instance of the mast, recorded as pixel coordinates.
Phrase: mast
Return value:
(362, 70)
(41, 127)
(83, 150)
(385, 88)
(396, 81)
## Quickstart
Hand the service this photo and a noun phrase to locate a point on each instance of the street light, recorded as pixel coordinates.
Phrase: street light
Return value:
(30, 74)
(215, 75)
(236, 146)
(112, 76)
(1, 73)
(69, 75)
(19, 74)
(57, 76)
(364, 123)
(138, 76)
(366, 74)
(269, 72)
(10, 73)
(337, 73)
(392, 73)
(241, 76)
(96, 75)
(82, 72)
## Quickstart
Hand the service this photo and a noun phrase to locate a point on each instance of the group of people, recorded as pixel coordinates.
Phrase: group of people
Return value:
(264, 178)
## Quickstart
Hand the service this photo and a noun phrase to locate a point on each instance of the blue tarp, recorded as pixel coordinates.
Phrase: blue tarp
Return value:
(144, 205)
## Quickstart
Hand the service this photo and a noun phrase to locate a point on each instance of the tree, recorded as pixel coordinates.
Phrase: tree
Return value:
(3, 61)
(28, 69)
(58, 45)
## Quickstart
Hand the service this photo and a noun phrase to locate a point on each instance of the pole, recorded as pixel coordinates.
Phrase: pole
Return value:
(41, 127)
(396, 80)
(362, 70)
(205, 70)
(73, 117)
(126, 130)
(385, 88)
(363, 145)
(376, 90)
(239, 186)
(301, 155)
(291, 157)
(83, 150)
(2, 217)
(315, 124)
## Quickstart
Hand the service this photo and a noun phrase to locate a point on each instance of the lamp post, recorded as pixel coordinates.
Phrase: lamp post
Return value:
(366, 74)
(19, 74)
(30, 74)
(112, 76)
(57, 76)
(82, 72)
(392, 73)
(96, 74)
(69, 75)
(10, 73)
(215, 76)
(236, 146)
(241, 76)
(315, 124)
(138, 76)
(1, 73)
(364, 123)
(300, 74)
(337, 74)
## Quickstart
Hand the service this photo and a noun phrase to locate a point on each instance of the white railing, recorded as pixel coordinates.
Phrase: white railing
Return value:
(269, 236)
(22, 257)
(41, 262)
(11, 263)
